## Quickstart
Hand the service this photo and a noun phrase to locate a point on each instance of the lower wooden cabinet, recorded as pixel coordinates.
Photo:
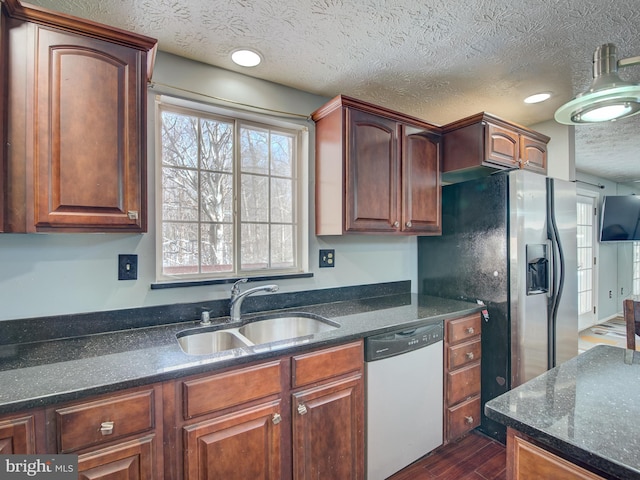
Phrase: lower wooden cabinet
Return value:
(129, 460)
(298, 417)
(293, 417)
(245, 444)
(18, 433)
(528, 461)
(115, 436)
(462, 353)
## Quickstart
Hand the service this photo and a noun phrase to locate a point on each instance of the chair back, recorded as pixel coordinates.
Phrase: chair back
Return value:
(631, 307)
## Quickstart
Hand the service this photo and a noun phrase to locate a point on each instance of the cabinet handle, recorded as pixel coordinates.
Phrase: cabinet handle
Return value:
(106, 428)
(302, 409)
(470, 355)
(132, 214)
(409, 224)
(470, 331)
(276, 418)
(396, 224)
(468, 419)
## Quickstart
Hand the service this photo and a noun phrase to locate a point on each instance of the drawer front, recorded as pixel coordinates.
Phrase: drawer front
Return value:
(92, 423)
(209, 394)
(330, 362)
(464, 353)
(463, 383)
(464, 328)
(462, 418)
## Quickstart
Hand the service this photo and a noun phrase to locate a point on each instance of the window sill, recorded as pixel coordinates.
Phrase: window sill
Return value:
(220, 281)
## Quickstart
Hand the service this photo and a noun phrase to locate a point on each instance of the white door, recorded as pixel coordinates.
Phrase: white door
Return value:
(586, 261)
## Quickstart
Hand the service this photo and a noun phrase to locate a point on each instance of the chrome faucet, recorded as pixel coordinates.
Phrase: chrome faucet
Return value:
(237, 297)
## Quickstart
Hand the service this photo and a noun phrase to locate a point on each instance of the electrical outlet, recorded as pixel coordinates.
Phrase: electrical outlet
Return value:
(327, 258)
(127, 267)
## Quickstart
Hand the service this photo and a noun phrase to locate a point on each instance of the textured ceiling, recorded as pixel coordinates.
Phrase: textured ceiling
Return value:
(436, 60)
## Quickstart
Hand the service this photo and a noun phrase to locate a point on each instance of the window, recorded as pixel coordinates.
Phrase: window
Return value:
(586, 254)
(230, 198)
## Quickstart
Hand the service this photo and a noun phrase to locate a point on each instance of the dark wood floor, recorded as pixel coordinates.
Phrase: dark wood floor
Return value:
(473, 457)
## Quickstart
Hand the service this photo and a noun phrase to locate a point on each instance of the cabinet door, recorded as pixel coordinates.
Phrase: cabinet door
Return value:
(502, 146)
(328, 434)
(533, 154)
(132, 460)
(239, 446)
(371, 195)
(90, 165)
(420, 181)
(17, 436)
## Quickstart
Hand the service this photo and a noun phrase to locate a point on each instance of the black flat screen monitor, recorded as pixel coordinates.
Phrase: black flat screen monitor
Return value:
(620, 219)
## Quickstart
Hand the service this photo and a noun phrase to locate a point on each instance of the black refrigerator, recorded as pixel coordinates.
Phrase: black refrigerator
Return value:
(509, 241)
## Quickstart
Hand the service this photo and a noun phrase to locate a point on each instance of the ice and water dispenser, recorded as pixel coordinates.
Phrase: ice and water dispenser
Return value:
(537, 269)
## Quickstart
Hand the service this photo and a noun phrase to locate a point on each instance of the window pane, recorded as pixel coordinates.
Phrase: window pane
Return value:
(281, 154)
(254, 150)
(281, 200)
(179, 140)
(217, 247)
(217, 145)
(255, 198)
(179, 194)
(255, 246)
(217, 197)
(282, 246)
(179, 248)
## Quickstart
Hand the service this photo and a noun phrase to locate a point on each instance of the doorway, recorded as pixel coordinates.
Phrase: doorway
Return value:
(586, 242)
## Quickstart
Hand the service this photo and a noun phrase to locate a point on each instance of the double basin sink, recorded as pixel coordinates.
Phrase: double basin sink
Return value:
(261, 330)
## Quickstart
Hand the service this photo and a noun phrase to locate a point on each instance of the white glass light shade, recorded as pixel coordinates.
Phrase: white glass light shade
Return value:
(601, 106)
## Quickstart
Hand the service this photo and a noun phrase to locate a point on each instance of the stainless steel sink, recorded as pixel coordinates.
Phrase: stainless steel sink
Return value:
(259, 331)
(277, 327)
(206, 343)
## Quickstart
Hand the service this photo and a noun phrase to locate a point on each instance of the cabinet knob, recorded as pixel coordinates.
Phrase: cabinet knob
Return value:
(409, 224)
(470, 355)
(468, 419)
(470, 331)
(302, 409)
(276, 418)
(396, 224)
(106, 428)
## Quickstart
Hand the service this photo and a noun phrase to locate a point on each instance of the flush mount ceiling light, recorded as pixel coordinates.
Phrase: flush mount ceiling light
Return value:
(609, 97)
(245, 57)
(538, 97)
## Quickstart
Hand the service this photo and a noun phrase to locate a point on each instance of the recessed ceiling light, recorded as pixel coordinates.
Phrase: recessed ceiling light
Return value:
(246, 58)
(537, 98)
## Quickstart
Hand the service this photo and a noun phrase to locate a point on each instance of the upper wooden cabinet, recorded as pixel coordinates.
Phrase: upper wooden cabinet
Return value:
(377, 171)
(483, 142)
(75, 154)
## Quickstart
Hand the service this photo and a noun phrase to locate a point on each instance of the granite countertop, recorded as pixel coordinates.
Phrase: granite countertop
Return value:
(49, 372)
(587, 408)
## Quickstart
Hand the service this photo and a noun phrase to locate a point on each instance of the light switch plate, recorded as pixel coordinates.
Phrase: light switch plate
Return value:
(127, 267)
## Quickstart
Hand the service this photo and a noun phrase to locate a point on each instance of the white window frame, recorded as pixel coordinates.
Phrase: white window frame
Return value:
(589, 319)
(635, 285)
(302, 194)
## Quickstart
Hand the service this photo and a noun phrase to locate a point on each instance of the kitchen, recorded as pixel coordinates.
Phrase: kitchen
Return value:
(45, 275)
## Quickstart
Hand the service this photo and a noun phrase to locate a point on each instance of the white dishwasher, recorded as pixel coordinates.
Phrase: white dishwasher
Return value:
(404, 401)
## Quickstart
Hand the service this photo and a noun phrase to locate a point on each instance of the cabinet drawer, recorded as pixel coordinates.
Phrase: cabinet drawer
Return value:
(86, 424)
(330, 362)
(463, 328)
(463, 383)
(464, 353)
(463, 417)
(209, 394)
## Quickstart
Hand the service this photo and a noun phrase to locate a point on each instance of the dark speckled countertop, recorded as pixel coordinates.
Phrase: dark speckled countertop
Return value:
(587, 408)
(49, 372)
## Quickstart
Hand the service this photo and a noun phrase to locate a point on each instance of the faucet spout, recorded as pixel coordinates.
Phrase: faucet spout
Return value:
(237, 297)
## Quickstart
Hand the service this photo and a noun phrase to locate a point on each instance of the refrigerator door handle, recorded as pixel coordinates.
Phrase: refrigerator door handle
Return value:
(558, 264)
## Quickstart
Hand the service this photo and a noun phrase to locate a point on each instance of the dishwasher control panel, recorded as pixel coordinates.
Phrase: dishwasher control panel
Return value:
(397, 342)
